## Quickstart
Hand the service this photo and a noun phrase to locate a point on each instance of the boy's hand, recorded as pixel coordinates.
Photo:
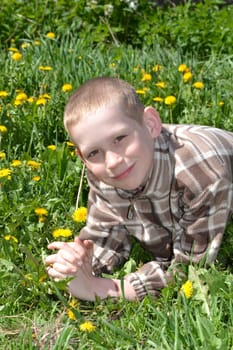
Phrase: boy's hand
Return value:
(70, 258)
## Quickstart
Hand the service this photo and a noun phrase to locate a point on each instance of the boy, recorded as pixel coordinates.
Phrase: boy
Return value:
(170, 186)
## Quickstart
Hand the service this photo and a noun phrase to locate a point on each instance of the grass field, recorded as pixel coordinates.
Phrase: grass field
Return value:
(41, 64)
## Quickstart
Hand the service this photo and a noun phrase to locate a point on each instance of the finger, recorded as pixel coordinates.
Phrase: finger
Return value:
(50, 260)
(55, 274)
(57, 245)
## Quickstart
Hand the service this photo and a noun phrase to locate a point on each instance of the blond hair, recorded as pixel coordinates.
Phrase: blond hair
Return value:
(100, 92)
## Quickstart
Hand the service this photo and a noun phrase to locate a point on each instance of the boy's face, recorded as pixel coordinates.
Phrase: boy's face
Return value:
(118, 150)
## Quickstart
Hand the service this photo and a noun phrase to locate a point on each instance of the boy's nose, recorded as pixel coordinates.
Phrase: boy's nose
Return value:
(112, 159)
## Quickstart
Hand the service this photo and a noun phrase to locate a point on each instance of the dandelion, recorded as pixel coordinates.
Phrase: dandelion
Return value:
(15, 163)
(3, 93)
(221, 103)
(41, 101)
(52, 147)
(158, 99)
(70, 144)
(20, 98)
(67, 87)
(37, 42)
(140, 92)
(62, 232)
(10, 237)
(25, 45)
(30, 99)
(41, 213)
(157, 68)
(17, 56)
(170, 100)
(187, 77)
(73, 304)
(146, 77)
(36, 178)
(5, 172)
(33, 164)
(2, 155)
(50, 35)
(13, 49)
(183, 68)
(80, 214)
(3, 129)
(198, 85)
(187, 289)
(45, 68)
(87, 327)
(161, 84)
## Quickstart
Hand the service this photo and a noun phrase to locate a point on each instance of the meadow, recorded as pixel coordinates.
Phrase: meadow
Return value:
(180, 60)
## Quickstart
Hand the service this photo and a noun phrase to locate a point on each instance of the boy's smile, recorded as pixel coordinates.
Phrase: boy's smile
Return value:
(117, 149)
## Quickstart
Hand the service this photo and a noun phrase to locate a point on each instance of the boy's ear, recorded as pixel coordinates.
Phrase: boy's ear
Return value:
(152, 121)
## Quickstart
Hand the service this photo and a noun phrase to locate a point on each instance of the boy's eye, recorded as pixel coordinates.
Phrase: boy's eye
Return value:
(92, 154)
(119, 138)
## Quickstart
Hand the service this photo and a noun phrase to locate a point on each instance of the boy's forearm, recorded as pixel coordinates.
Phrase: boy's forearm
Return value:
(103, 288)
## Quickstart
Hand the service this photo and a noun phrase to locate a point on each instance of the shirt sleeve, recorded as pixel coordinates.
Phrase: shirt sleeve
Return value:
(199, 237)
(110, 236)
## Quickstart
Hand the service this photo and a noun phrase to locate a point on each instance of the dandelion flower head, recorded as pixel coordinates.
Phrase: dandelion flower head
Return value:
(87, 327)
(187, 289)
(80, 214)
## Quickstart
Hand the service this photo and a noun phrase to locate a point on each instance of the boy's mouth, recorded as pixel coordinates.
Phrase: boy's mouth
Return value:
(124, 173)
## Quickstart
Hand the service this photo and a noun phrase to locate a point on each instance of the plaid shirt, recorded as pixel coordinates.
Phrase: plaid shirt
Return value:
(179, 216)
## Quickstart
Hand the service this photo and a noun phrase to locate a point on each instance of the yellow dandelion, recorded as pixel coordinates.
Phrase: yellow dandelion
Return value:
(198, 85)
(71, 315)
(16, 162)
(41, 212)
(70, 144)
(30, 99)
(183, 68)
(41, 101)
(157, 68)
(3, 93)
(37, 42)
(170, 100)
(51, 35)
(87, 327)
(140, 92)
(13, 49)
(67, 87)
(221, 103)
(112, 65)
(17, 56)
(2, 155)
(25, 45)
(62, 232)
(43, 278)
(20, 98)
(187, 77)
(80, 214)
(10, 237)
(5, 172)
(187, 289)
(45, 68)
(33, 164)
(52, 147)
(158, 99)
(36, 178)
(146, 77)
(3, 129)
(161, 84)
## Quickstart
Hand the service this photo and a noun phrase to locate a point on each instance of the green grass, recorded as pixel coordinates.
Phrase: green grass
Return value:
(33, 309)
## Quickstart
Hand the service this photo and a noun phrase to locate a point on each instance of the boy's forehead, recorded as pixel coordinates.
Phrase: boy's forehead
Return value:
(101, 124)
